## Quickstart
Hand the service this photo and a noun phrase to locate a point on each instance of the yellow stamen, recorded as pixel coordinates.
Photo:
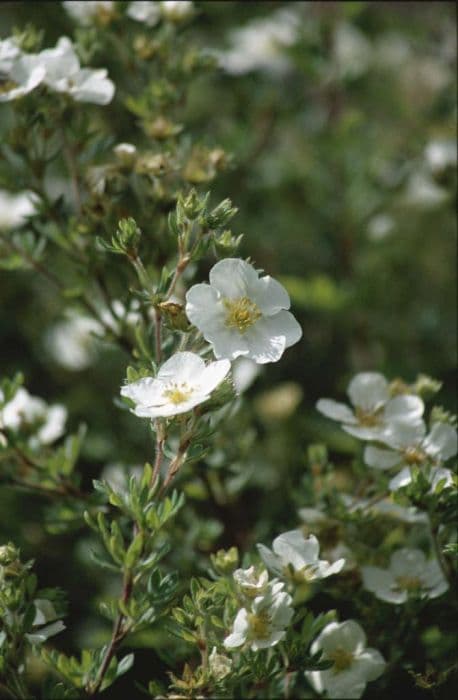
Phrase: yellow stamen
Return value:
(242, 313)
(259, 625)
(342, 658)
(367, 418)
(7, 86)
(411, 584)
(413, 455)
(177, 394)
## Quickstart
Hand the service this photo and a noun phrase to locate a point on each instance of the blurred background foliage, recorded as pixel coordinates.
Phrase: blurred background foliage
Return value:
(338, 158)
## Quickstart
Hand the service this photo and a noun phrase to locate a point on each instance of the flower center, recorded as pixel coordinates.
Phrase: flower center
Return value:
(241, 313)
(342, 658)
(259, 624)
(413, 455)
(304, 575)
(411, 584)
(178, 393)
(7, 85)
(367, 418)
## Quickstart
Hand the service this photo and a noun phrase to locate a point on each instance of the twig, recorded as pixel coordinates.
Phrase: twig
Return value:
(443, 563)
(117, 637)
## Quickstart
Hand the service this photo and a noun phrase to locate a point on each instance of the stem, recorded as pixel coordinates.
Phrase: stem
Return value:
(443, 563)
(158, 453)
(117, 636)
(182, 264)
(158, 334)
(179, 458)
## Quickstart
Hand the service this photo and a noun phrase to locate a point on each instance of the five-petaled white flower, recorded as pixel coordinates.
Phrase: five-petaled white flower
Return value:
(59, 69)
(409, 574)
(263, 623)
(373, 410)
(250, 582)
(89, 10)
(219, 664)
(15, 208)
(296, 558)
(409, 446)
(19, 74)
(262, 44)
(25, 412)
(146, 11)
(242, 314)
(354, 664)
(177, 10)
(183, 382)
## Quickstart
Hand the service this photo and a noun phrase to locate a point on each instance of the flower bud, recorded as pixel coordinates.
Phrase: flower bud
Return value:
(8, 554)
(225, 561)
(125, 153)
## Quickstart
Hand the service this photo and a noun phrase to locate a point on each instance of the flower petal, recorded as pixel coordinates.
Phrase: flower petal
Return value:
(402, 479)
(368, 390)
(213, 375)
(182, 367)
(380, 459)
(401, 434)
(292, 548)
(408, 562)
(370, 664)
(270, 560)
(336, 411)
(441, 441)
(269, 295)
(267, 338)
(381, 582)
(233, 277)
(407, 407)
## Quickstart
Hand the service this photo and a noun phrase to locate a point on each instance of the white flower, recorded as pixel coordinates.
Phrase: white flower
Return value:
(22, 76)
(220, 666)
(26, 411)
(15, 208)
(373, 408)
(9, 51)
(242, 314)
(328, 529)
(385, 508)
(44, 613)
(354, 666)
(440, 155)
(409, 573)
(184, 381)
(88, 10)
(410, 445)
(125, 153)
(263, 624)
(296, 557)
(64, 74)
(261, 44)
(177, 10)
(251, 583)
(352, 51)
(71, 342)
(422, 191)
(58, 68)
(380, 227)
(433, 475)
(148, 12)
(244, 373)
